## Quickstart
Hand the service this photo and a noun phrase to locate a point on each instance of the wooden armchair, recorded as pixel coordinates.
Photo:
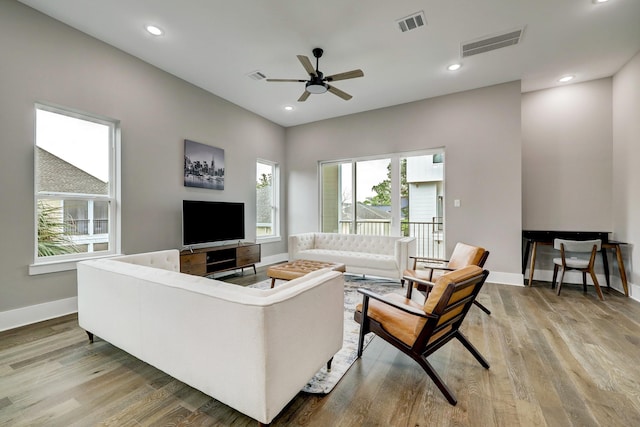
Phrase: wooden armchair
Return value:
(419, 330)
(423, 277)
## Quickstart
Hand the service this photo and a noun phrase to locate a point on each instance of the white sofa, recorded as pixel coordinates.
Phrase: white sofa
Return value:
(251, 349)
(383, 256)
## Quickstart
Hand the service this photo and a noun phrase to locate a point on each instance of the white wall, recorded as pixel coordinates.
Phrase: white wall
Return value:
(567, 157)
(480, 130)
(626, 169)
(44, 60)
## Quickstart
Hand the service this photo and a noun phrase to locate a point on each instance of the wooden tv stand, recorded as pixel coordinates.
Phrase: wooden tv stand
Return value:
(213, 259)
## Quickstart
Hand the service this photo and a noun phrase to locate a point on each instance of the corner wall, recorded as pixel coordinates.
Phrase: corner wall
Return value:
(480, 131)
(626, 170)
(45, 60)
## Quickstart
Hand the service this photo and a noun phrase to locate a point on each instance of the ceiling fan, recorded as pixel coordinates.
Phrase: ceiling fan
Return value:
(318, 82)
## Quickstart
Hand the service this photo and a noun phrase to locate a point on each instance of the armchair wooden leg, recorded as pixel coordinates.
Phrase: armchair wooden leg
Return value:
(329, 365)
(555, 276)
(409, 288)
(584, 282)
(426, 366)
(474, 351)
(482, 307)
(90, 337)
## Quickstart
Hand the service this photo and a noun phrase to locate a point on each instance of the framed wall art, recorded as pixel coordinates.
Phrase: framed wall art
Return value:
(203, 166)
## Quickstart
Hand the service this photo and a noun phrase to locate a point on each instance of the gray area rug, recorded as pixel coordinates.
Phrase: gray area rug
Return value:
(324, 381)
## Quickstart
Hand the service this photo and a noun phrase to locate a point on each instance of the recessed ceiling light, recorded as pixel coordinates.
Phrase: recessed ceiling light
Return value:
(454, 67)
(566, 79)
(289, 108)
(153, 30)
(600, 1)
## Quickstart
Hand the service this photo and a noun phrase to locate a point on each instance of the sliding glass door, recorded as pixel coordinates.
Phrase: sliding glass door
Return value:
(396, 195)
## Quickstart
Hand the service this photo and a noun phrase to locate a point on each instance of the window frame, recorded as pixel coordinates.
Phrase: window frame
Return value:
(55, 263)
(395, 162)
(275, 198)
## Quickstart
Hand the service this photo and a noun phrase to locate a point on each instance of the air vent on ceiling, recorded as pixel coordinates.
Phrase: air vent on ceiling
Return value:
(492, 43)
(256, 75)
(411, 22)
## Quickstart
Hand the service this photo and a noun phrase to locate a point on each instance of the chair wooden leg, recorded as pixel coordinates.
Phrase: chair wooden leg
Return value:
(474, 351)
(329, 365)
(555, 276)
(422, 361)
(584, 282)
(560, 282)
(482, 307)
(409, 288)
(596, 284)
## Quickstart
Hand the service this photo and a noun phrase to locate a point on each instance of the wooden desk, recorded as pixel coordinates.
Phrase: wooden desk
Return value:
(545, 237)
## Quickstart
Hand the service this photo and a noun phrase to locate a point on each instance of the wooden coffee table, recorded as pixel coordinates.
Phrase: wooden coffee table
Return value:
(298, 268)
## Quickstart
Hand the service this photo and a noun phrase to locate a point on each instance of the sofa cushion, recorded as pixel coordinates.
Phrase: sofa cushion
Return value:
(356, 243)
(361, 259)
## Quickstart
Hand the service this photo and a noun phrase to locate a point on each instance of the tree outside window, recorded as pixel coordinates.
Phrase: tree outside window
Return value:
(266, 200)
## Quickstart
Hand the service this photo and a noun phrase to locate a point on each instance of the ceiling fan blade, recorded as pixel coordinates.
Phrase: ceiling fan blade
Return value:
(346, 75)
(338, 92)
(304, 96)
(286, 80)
(308, 66)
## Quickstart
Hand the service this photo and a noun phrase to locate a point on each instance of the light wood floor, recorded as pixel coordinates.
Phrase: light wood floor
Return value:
(555, 361)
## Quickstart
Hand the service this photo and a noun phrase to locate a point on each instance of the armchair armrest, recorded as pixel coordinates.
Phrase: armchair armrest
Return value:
(406, 308)
(427, 260)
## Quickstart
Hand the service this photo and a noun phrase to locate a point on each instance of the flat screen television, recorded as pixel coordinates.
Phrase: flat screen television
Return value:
(209, 222)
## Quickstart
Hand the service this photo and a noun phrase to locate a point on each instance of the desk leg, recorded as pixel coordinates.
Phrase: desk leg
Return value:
(623, 274)
(525, 256)
(533, 262)
(605, 263)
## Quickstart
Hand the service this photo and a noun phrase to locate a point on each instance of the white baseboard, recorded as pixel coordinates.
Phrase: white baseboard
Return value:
(273, 259)
(37, 313)
(501, 278)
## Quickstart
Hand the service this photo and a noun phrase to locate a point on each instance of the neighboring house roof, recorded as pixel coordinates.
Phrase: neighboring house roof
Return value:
(57, 175)
(366, 212)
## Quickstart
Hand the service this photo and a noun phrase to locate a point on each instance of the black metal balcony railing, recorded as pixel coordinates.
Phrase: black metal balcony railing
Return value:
(80, 227)
(429, 235)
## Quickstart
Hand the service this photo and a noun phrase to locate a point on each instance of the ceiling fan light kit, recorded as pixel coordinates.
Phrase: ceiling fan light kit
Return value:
(316, 88)
(317, 82)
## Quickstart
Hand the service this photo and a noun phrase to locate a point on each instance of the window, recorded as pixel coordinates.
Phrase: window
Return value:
(267, 201)
(76, 199)
(397, 195)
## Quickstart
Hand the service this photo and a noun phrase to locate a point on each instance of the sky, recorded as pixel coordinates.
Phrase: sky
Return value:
(370, 173)
(82, 143)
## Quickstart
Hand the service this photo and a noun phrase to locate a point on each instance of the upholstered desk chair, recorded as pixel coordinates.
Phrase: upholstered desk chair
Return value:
(419, 330)
(423, 277)
(567, 261)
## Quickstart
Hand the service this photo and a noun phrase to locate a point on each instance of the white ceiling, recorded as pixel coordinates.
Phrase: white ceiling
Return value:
(215, 44)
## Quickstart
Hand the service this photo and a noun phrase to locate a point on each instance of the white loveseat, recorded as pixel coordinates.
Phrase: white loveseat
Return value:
(250, 349)
(383, 256)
